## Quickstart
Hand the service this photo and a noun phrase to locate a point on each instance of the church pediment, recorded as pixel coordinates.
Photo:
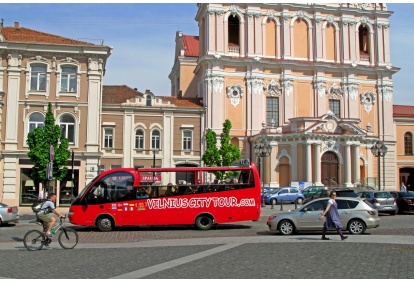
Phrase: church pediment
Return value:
(332, 124)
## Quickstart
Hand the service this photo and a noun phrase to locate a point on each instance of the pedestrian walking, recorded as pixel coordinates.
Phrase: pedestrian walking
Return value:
(332, 217)
(403, 187)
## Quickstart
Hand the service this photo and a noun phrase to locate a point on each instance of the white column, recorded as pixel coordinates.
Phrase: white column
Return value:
(308, 160)
(251, 38)
(347, 165)
(278, 42)
(317, 164)
(242, 40)
(310, 43)
(219, 35)
(210, 33)
(380, 45)
(257, 35)
(371, 49)
(386, 44)
(337, 47)
(355, 162)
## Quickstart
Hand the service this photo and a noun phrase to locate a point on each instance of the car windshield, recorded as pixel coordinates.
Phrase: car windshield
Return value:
(382, 195)
(3, 204)
(275, 191)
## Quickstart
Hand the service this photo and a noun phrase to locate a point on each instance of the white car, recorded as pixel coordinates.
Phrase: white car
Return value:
(356, 216)
(8, 214)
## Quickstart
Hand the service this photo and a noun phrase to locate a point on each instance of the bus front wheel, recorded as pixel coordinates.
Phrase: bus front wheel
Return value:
(204, 222)
(105, 224)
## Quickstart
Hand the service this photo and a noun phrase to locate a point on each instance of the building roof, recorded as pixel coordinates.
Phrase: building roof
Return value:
(403, 111)
(118, 94)
(183, 102)
(21, 34)
(191, 45)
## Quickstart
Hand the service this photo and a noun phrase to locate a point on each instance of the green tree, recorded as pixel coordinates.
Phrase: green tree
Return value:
(226, 155)
(39, 141)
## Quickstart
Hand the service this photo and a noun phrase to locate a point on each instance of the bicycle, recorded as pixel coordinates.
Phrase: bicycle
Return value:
(35, 240)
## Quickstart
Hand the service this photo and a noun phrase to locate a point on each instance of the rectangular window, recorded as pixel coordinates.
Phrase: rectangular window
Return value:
(335, 107)
(187, 140)
(68, 79)
(108, 138)
(38, 78)
(272, 111)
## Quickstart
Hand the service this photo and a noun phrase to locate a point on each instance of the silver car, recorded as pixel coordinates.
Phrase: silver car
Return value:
(356, 216)
(383, 201)
(8, 214)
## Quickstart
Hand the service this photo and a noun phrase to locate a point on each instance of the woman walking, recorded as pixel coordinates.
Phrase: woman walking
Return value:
(332, 217)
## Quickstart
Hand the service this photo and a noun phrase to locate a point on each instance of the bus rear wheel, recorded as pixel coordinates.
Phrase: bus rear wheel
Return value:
(104, 224)
(204, 222)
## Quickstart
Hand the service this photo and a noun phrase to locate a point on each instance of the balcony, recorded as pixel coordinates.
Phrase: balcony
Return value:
(363, 56)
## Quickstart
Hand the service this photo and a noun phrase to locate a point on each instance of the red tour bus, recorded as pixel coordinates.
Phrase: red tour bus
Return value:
(169, 196)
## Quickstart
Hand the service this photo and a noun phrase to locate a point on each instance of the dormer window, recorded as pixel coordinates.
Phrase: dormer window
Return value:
(149, 100)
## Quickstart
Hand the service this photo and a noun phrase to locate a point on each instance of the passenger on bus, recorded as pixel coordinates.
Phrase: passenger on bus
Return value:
(128, 194)
(144, 192)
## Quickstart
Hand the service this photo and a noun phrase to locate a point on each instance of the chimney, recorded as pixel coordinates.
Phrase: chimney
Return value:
(180, 94)
(16, 25)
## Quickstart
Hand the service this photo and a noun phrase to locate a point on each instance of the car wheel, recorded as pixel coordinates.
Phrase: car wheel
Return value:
(356, 226)
(273, 201)
(104, 224)
(299, 200)
(286, 227)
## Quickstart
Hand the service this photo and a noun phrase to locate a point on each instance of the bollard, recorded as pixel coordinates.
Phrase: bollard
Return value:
(263, 201)
(272, 204)
(296, 203)
(281, 205)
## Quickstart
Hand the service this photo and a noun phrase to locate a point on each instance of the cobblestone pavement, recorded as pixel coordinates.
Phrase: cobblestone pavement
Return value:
(240, 251)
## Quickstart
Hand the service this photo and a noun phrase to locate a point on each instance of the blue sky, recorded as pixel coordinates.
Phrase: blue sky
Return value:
(143, 37)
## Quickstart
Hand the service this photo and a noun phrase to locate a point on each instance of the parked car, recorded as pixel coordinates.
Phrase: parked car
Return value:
(307, 192)
(8, 214)
(405, 200)
(340, 192)
(356, 216)
(383, 201)
(284, 194)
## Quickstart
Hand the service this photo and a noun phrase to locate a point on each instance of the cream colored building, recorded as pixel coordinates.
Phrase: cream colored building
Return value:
(313, 80)
(37, 68)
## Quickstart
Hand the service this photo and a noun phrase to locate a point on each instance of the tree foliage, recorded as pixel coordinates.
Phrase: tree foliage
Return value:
(226, 155)
(39, 141)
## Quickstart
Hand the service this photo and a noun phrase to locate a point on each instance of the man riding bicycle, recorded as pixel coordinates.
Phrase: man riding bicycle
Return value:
(44, 213)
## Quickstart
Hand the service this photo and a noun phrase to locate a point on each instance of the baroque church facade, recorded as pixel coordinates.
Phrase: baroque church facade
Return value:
(312, 80)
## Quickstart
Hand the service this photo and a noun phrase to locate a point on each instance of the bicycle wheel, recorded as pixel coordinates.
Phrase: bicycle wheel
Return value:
(68, 238)
(33, 240)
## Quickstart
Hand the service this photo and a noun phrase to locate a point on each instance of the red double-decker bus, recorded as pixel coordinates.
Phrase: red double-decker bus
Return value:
(169, 196)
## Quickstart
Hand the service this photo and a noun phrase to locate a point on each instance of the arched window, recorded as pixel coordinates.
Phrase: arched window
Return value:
(155, 139)
(67, 126)
(234, 34)
(68, 79)
(148, 100)
(36, 120)
(300, 48)
(363, 34)
(38, 77)
(408, 143)
(139, 139)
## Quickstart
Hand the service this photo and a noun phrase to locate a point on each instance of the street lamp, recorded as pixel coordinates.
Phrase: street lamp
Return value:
(262, 149)
(379, 150)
